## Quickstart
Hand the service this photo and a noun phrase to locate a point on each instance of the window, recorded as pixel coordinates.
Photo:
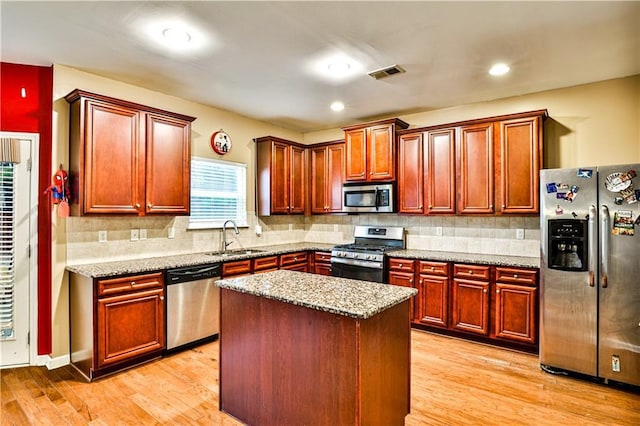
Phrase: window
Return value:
(218, 193)
(7, 250)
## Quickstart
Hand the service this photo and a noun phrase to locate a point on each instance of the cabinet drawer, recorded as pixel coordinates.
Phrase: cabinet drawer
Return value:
(397, 264)
(262, 263)
(131, 283)
(322, 257)
(238, 267)
(515, 275)
(293, 258)
(471, 272)
(433, 268)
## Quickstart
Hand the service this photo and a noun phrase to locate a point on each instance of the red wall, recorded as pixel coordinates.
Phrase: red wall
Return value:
(33, 114)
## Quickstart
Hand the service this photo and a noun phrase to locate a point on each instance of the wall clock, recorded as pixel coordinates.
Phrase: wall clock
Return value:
(221, 142)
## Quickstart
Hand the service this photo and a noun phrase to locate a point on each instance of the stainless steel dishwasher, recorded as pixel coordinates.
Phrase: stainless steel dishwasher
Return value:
(193, 305)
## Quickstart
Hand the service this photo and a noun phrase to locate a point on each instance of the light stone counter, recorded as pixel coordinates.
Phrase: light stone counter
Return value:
(352, 298)
(488, 259)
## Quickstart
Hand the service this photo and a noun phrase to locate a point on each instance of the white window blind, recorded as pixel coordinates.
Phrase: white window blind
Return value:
(218, 193)
(7, 250)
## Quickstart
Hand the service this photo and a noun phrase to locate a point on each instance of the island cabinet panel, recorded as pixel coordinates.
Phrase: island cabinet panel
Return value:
(519, 160)
(476, 169)
(115, 323)
(281, 176)
(433, 293)
(516, 305)
(301, 366)
(470, 294)
(371, 150)
(127, 158)
(326, 178)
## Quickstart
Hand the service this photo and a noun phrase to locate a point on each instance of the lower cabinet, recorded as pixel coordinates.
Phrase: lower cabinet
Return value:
(237, 268)
(265, 264)
(322, 263)
(470, 301)
(295, 261)
(493, 303)
(115, 323)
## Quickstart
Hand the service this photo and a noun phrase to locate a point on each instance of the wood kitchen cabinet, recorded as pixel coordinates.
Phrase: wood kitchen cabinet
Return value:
(282, 178)
(516, 302)
(265, 264)
(402, 273)
(127, 158)
(326, 177)
(322, 263)
(298, 261)
(490, 165)
(236, 268)
(518, 162)
(115, 323)
(470, 299)
(370, 150)
(433, 293)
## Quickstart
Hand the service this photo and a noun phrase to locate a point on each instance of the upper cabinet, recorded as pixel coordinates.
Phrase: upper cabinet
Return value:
(489, 165)
(326, 177)
(281, 176)
(370, 150)
(127, 158)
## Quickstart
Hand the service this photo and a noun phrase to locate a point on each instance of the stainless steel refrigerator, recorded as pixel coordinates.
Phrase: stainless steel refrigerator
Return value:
(590, 271)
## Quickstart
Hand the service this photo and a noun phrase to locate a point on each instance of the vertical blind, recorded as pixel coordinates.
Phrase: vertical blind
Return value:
(7, 249)
(218, 193)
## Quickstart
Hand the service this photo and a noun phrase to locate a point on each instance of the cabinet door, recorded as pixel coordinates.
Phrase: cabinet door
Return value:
(475, 168)
(410, 174)
(168, 167)
(297, 179)
(433, 295)
(280, 178)
(114, 160)
(356, 154)
(440, 172)
(519, 161)
(335, 174)
(404, 279)
(470, 307)
(381, 153)
(319, 179)
(515, 313)
(129, 326)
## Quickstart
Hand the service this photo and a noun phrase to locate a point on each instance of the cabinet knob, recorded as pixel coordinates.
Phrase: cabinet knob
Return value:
(433, 268)
(490, 206)
(370, 173)
(133, 283)
(149, 205)
(410, 280)
(430, 206)
(470, 272)
(161, 297)
(484, 291)
(498, 291)
(503, 206)
(137, 205)
(515, 275)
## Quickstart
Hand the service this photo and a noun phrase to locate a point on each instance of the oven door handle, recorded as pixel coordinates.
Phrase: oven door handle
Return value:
(377, 197)
(356, 262)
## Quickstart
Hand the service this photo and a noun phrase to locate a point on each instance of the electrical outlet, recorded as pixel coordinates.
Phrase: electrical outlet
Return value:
(258, 230)
(615, 363)
(143, 234)
(520, 234)
(102, 236)
(439, 231)
(135, 235)
(171, 233)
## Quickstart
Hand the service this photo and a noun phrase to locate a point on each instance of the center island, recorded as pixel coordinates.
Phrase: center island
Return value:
(306, 349)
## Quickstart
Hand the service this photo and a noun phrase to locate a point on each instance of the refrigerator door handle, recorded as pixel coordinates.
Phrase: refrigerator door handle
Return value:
(593, 244)
(604, 245)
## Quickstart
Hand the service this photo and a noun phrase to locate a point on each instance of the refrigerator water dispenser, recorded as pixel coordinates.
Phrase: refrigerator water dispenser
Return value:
(568, 240)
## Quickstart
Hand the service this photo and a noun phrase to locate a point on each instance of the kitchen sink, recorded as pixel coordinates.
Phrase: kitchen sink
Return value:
(236, 251)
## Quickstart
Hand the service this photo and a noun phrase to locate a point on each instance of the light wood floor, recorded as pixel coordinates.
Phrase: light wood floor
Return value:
(454, 382)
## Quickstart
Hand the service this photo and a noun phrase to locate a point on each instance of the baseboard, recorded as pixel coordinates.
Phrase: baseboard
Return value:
(53, 363)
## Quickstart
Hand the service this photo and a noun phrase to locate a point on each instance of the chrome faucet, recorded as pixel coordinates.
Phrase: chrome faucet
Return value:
(226, 244)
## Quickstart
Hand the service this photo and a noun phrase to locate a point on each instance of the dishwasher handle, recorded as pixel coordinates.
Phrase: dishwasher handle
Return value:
(193, 273)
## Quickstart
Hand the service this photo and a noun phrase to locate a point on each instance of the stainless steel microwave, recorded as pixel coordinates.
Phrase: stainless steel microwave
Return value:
(367, 198)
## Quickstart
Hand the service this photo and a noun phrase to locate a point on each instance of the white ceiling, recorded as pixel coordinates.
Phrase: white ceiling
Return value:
(255, 56)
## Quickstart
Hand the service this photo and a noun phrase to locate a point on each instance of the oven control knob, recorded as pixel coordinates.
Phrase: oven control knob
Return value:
(356, 255)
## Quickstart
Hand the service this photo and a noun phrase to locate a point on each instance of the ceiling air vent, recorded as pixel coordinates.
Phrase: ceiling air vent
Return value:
(386, 72)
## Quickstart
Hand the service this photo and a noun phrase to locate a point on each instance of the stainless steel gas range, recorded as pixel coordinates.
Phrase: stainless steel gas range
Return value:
(364, 258)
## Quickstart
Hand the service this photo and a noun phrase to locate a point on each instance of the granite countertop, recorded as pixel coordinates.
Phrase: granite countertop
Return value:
(135, 266)
(149, 264)
(351, 298)
(489, 259)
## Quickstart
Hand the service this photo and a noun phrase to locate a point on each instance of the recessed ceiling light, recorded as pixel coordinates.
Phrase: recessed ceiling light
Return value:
(499, 69)
(176, 35)
(337, 106)
(339, 68)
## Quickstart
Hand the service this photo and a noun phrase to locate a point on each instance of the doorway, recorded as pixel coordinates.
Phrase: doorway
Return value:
(18, 248)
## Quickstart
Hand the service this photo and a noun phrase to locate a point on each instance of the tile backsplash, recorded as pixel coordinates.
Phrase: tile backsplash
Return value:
(482, 235)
